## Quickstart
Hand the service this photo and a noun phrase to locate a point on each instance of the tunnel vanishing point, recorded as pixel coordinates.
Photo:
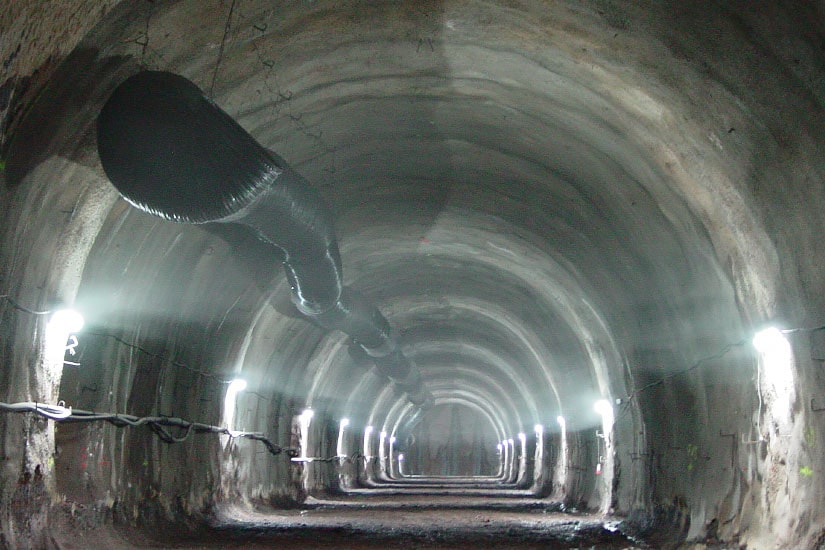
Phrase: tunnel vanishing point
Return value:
(437, 274)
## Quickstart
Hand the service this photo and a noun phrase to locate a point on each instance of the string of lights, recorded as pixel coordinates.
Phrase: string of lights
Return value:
(158, 424)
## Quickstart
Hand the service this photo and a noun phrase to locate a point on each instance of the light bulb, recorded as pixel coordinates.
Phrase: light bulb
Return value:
(236, 385)
(603, 407)
(769, 341)
(66, 320)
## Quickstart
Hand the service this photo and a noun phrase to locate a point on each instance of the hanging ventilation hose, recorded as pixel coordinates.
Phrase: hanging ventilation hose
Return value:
(173, 153)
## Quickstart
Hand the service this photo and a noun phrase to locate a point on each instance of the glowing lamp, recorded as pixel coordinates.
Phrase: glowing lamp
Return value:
(66, 320)
(770, 340)
(236, 386)
(603, 407)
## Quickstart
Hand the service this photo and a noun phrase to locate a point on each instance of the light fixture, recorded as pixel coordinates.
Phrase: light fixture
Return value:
(66, 320)
(523, 439)
(367, 431)
(539, 429)
(776, 353)
(303, 424)
(60, 337)
(562, 422)
(382, 451)
(339, 448)
(770, 340)
(236, 385)
(775, 375)
(232, 389)
(603, 407)
(401, 464)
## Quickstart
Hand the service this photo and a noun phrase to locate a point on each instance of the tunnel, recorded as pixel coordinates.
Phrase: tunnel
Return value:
(589, 234)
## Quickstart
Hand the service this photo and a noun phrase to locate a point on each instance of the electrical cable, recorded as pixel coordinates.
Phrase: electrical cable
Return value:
(795, 330)
(724, 351)
(54, 412)
(350, 459)
(174, 363)
(154, 355)
(158, 424)
(16, 305)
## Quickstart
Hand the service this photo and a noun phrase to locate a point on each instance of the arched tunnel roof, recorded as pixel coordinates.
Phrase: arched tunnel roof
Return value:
(551, 204)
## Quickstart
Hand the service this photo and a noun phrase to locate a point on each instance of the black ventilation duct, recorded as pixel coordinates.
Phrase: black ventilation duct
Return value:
(173, 153)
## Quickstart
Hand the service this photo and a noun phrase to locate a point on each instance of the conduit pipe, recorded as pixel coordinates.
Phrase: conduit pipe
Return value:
(173, 153)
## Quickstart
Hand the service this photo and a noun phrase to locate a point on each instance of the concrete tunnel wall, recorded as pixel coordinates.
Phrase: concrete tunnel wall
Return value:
(553, 204)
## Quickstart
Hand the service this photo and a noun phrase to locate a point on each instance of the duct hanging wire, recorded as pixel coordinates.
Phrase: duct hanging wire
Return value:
(173, 153)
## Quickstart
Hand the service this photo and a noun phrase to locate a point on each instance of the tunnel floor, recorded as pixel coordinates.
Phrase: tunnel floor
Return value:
(397, 521)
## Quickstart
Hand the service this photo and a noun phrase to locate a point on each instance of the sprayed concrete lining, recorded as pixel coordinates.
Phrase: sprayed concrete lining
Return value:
(553, 203)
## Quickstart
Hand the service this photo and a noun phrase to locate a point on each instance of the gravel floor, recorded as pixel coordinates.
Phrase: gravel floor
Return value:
(411, 521)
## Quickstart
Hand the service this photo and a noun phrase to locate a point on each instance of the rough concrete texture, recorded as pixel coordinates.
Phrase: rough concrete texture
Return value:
(553, 203)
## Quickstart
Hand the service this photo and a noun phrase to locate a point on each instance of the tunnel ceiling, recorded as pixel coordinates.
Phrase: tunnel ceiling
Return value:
(551, 203)
(504, 181)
